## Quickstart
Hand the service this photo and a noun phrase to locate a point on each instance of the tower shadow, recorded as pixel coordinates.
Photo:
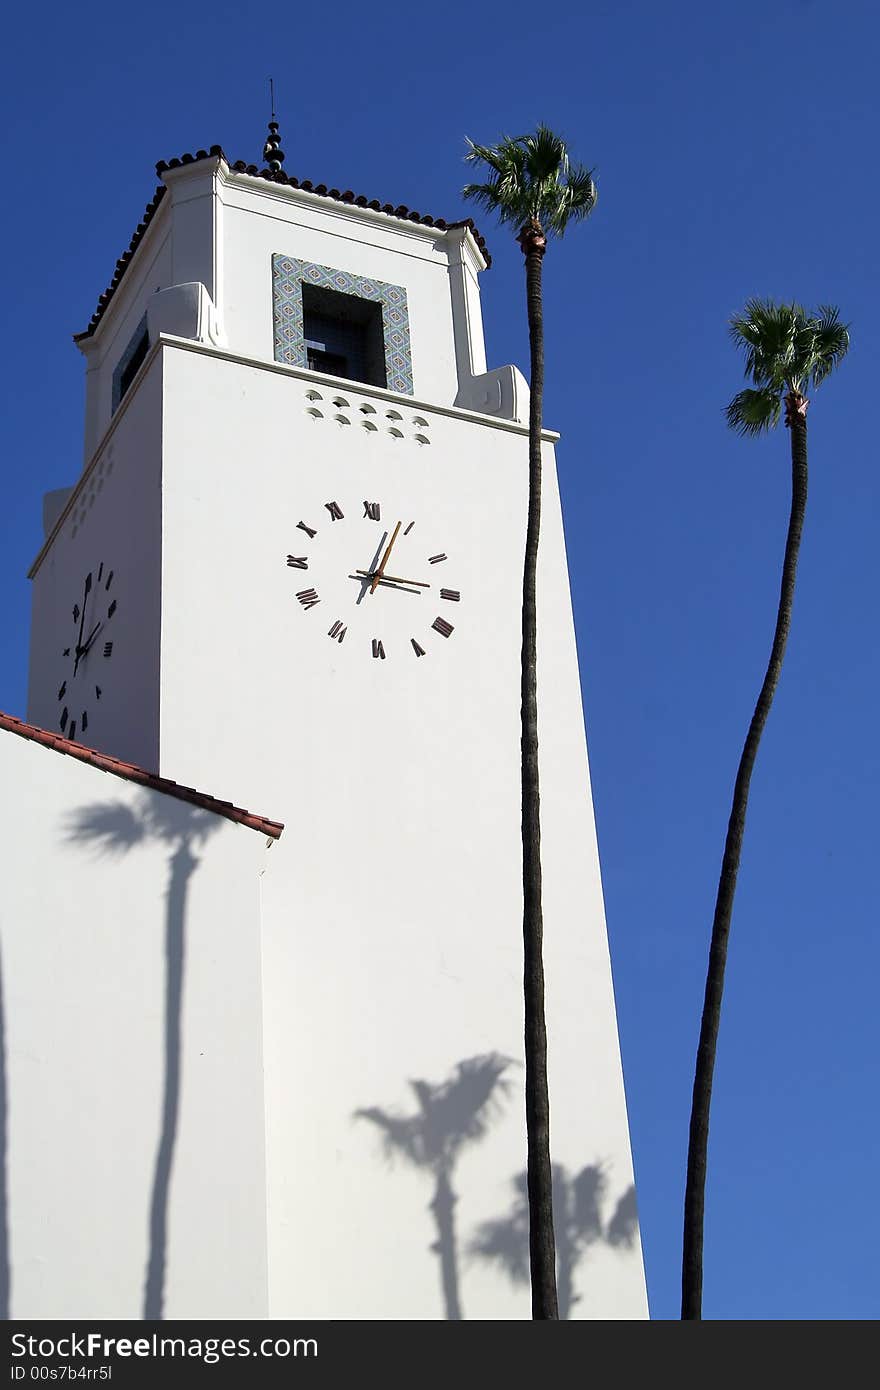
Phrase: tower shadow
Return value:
(578, 1205)
(450, 1115)
(114, 828)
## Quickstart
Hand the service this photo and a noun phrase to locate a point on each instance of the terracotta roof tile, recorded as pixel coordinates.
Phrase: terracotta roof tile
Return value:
(132, 773)
(360, 200)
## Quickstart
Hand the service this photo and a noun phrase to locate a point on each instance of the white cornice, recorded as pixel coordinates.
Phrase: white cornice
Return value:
(285, 193)
(279, 369)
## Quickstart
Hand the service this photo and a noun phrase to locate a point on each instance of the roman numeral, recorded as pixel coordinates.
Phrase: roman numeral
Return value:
(308, 598)
(89, 582)
(63, 720)
(338, 630)
(378, 649)
(419, 651)
(100, 571)
(112, 609)
(108, 648)
(66, 652)
(85, 721)
(298, 562)
(71, 732)
(76, 612)
(442, 626)
(63, 690)
(409, 528)
(336, 512)
(435, 559)
(301, 526)
(452, 595)
(97, 692)
(109, 580)
(371, 511)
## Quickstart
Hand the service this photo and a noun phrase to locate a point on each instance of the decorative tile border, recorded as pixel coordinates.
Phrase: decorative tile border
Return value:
(288, 276)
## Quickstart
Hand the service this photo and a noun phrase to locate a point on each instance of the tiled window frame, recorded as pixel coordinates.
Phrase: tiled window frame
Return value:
(288, 277)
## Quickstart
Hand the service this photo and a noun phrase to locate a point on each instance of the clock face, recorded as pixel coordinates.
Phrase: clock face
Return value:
(86, 652)
(373, 581)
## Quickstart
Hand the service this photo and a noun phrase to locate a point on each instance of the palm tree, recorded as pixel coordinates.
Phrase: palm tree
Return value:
(450, 1114)
(533, 186)
(787, 352)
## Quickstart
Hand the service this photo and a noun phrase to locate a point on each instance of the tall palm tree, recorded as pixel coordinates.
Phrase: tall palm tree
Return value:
(534, 187)
(450, 1115)
(788, 351)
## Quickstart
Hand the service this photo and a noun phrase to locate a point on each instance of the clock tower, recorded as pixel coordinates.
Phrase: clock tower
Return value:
(291, 570)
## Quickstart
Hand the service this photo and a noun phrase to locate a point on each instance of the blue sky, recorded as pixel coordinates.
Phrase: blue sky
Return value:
(735, 153)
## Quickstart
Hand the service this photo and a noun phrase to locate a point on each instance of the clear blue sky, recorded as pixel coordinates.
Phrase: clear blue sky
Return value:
(735, 151)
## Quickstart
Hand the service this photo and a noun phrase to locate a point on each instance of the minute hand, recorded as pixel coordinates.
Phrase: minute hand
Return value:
(384, 561)
(90, 639)
(392, 579)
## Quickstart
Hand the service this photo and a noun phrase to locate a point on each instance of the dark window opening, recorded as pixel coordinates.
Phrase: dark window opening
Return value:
(333, 363)
(344, 335)
(129, 371)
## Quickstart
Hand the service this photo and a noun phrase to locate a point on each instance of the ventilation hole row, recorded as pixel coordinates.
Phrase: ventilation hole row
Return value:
(365, 409)
(396, 433)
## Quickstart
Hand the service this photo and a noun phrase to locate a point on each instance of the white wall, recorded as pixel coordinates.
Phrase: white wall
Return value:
(113, 519)
(263, 219)
(88, 894)
(392, 910)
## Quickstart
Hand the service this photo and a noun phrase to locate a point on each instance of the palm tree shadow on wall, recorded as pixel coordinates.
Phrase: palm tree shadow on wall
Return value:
(450, 1114)
(578, 1205)
(115, 828)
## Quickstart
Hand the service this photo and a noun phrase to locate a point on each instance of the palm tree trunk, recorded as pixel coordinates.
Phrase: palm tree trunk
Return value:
(542, 1252)
(695, 1190)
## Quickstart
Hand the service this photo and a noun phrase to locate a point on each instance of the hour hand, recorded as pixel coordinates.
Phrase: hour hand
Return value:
(390, 579)
(90, 639)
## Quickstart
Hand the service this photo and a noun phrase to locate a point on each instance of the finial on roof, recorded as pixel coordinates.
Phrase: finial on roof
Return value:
(272, 151)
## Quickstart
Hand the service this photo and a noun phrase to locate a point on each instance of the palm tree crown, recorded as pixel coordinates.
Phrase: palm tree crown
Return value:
(787, 350)
(532, 179)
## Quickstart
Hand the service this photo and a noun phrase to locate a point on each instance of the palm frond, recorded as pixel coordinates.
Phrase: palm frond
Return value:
(532, 177)
(831, 342)
(754, 410)
(785, 348)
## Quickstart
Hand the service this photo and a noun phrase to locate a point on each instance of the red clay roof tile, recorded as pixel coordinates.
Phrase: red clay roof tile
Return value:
(132, 773)
(274, 176)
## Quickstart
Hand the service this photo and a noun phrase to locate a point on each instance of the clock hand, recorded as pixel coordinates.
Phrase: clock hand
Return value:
(392, 579)
(90, 639)
(82, 622)
(386, 582)
(379, 572)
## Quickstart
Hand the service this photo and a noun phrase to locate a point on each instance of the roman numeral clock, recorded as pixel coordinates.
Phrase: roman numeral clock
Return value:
(86, 653)
(375, 581)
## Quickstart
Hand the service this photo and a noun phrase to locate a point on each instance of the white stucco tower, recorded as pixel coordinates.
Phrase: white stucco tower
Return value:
(290, 574)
